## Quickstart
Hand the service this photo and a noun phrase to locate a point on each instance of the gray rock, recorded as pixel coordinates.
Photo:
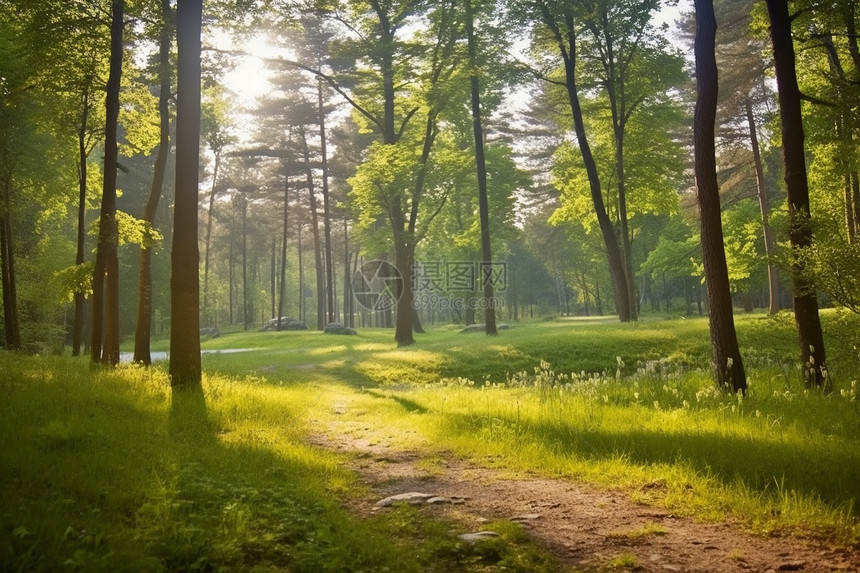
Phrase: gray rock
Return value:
(412, 498)
(526, 517)
(287, 323)
(477, 536)
(338, 328)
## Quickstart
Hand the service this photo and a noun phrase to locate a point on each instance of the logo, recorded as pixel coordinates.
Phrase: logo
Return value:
(377, 285)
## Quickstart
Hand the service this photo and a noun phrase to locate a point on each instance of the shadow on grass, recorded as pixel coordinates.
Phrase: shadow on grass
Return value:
(785, 468)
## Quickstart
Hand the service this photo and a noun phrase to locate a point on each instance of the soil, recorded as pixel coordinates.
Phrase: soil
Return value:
(584, 528)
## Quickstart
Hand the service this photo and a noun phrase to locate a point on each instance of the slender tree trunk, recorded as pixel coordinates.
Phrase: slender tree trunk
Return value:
(329, 269)
(348, 318)
(303, 313)
(246, 312)
(806, 316)
(283, 287)
(764, 207)
(727, 365)
(80, 257)
(143, 329)
(105, 324)
(483, 201)
(230, 262)
(613, 252)
(315, 232)
(273, 276)
(185, 369)
(7, 264)
(209, 216)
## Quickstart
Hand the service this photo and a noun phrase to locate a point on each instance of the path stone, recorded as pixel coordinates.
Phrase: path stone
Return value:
(477, 536)
(412, 498)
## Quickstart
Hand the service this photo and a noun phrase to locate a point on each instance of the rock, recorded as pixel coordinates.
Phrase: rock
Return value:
(412, 498)
(477, 536)
(526, 517)
(210, 332)
(441, 500)
(338, 328)
(287, 323)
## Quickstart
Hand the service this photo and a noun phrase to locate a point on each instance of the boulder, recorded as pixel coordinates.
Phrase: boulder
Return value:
(287, 323)
(212, 332)
(338, 328)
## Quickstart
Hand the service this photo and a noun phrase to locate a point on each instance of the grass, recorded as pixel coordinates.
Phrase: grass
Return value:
(110, 471)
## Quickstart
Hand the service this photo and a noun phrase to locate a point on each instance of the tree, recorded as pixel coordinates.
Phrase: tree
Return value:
(483, 208)
(104, 347)
(812, 353)
(727, 365)
(144, 306)
(560, 30)
(392, 181)
(185, 370)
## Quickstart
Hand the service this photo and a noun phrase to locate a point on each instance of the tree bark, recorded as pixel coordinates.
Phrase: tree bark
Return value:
(143, 329)
(283, 286)
(315, 232)
(7, 264)
(806, 316)
(567, 48)
(483, 201)
(727, 365)
(80, 255)
(764, 208)
(208, 243)
(329, 269)
(185, 370)
(105, 324)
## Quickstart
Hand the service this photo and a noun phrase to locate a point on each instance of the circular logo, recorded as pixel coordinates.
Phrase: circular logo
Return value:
(377, 285)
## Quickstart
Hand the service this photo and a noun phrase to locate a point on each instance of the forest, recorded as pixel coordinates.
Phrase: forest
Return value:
(645, 210)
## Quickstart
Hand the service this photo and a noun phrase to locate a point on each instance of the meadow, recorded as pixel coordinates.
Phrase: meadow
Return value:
(108, 470)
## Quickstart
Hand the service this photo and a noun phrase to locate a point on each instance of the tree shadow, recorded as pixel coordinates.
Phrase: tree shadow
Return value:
(188, 419)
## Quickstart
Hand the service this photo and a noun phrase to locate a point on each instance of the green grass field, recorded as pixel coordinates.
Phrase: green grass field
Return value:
(107, 470)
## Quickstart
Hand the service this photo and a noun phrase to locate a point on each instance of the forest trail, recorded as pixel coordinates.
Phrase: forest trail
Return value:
(584, 528)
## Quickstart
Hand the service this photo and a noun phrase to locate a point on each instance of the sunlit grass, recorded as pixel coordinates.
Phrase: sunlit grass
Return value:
(108, 469)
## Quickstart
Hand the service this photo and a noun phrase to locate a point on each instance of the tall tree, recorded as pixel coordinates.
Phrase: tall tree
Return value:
(144, 298)
(104, 346)
(727, 365)
(483, 203)
(560, 29)
(185, 369)
(809, 332)
(402, 87)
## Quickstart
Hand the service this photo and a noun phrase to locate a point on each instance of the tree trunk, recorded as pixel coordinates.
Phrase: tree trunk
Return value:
(483, 201)
(7, 264)
(283, 286)
(315, 233)
(208, 243)
(143, 329)
(80, 257)
(772, 274)
(105, 321)
(348, 318)
(727, 365)
(404, 257)
(246, 312)
(613, 252)
(806, 316)
(329, 269)
(185, 370)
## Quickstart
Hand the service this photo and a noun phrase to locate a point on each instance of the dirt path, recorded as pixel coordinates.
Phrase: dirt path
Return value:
(584, 528)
